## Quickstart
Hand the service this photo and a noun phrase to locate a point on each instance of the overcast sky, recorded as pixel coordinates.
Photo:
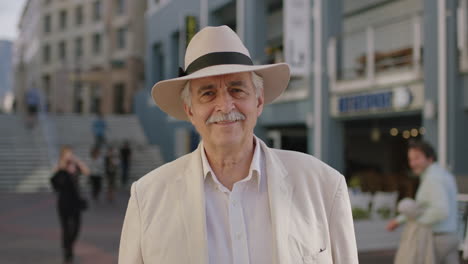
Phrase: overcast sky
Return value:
(10, 12)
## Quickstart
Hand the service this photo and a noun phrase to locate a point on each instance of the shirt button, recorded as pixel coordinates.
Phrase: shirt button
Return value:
(238, 236)
(234, 203)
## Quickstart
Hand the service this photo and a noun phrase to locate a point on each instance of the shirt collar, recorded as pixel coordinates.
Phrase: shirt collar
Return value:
(428, 170)
(254, 170)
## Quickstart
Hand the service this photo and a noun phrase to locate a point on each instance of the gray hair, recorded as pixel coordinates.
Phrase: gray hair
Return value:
(186, 94)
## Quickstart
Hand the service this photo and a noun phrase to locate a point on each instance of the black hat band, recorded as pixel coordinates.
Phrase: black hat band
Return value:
(216, 58)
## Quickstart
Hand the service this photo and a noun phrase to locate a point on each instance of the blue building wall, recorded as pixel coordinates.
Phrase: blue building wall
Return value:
(163, 27)
(288, 113)
(460, 134)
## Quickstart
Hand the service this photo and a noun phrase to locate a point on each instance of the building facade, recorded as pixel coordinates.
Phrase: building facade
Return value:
(85, 56)
(374, 75)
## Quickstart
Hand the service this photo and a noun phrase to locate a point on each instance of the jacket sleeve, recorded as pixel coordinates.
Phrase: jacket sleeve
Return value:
(435, 200)
(342, 238)
(130, 240)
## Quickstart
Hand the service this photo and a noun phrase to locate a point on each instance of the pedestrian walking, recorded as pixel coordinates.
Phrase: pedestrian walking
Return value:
(70, 203)
(96, 172)
(32, 99)
(99, 128)
(111, 164)
(416, 242)
(437, 194)
(125, 159)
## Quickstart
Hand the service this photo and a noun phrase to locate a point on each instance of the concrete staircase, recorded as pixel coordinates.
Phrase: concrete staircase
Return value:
(24, 162)
(25, 158)
(75, 130)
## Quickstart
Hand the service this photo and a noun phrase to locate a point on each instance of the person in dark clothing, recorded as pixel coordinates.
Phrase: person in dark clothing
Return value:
(65, 183)
(111, 166)
(96, 173)
(125, 157)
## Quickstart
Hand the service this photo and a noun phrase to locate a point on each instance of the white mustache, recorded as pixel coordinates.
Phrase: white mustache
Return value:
(229, 117)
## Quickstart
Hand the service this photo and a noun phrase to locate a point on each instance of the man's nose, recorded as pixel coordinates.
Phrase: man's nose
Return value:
(225, 102)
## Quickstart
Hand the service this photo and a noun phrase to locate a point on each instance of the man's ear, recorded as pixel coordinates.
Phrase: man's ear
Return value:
(188, 112)
(260, 104)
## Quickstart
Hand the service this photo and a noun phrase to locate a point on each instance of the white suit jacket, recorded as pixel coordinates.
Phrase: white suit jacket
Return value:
(310, 211)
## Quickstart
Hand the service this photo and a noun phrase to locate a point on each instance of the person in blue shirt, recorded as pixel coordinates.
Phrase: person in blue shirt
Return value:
(32, 99)
(99, 131)
(437, 193)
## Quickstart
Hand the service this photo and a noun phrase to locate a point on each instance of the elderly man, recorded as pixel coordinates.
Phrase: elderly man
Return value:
(234, 200)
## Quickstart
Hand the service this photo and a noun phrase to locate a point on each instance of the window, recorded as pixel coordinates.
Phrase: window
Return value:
(119, 95)
(95, 98)
(47, 24)
(96, 43)
(121, 34)
(78, 97)
(120, 7)
(46, 54)
(62, 51)
(78, 47)
(97, 10)
(158, 62)
(63, 19)
(79, 15)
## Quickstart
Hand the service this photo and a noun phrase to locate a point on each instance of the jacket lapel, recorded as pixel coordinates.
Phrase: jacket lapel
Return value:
(192, 201)
(280, 193)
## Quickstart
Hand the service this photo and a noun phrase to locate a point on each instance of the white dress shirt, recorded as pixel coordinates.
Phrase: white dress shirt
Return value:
(238, 222)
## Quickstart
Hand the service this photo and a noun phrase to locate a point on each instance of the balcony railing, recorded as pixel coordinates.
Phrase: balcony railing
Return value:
(369, 57)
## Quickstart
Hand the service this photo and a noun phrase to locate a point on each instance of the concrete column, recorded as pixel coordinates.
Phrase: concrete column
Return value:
(254, 25)
(457, 122)
(430, 69)
(441, 126)
(331, 131)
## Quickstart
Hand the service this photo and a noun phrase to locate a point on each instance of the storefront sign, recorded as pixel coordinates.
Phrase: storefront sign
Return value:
(395, 99)
(365, 102)
(296, 36)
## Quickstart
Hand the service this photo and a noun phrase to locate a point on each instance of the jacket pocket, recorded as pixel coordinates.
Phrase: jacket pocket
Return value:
(300, 253)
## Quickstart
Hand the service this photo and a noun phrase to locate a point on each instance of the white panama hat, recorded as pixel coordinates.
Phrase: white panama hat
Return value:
(217, 51)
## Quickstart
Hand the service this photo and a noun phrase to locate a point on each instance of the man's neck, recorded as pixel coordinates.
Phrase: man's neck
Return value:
(231, 164)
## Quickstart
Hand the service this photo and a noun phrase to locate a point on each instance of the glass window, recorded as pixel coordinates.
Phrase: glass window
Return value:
(47, 24)
(79, 15)
(62, 51)
(46, 54)
(78, 47)
(63, 19)
(121, 37)
(97, 10)
(120, 7)
(96, 43)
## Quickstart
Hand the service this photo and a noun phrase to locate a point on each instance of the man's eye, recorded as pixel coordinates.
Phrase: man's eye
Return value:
(236, 90)
(209, 93)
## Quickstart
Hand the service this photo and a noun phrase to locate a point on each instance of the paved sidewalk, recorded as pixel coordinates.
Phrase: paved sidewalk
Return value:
(29, 232)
